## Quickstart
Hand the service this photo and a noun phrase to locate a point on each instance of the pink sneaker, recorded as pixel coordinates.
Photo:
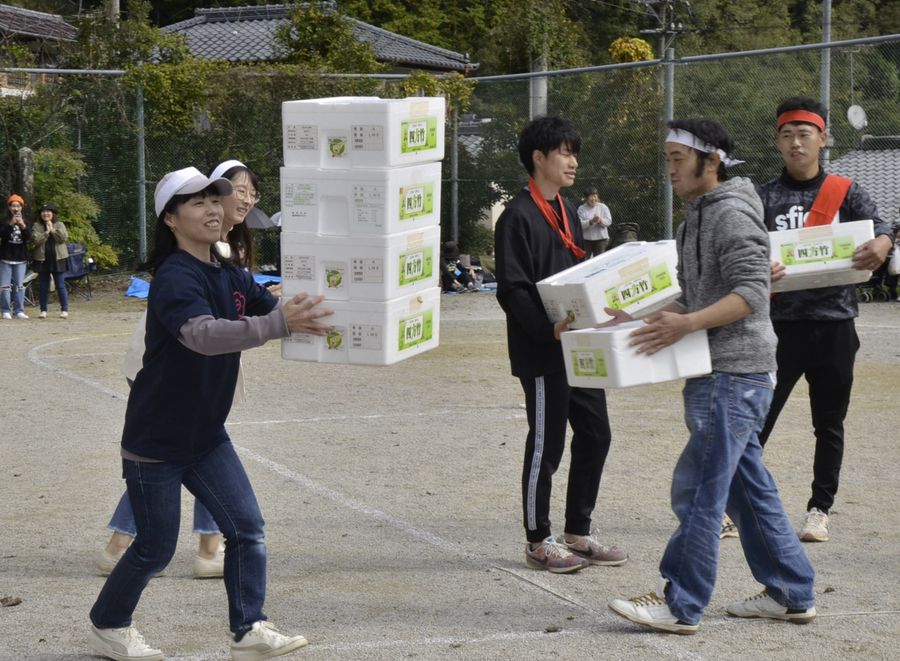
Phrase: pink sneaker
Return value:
(554, 557)
(590, 548)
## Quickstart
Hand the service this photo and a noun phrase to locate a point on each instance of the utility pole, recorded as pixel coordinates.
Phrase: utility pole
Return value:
(667, 29)
(825, 76)
(113, 12)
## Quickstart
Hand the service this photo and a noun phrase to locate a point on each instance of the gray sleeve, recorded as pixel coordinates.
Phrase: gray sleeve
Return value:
(210, 336)
(743, 249)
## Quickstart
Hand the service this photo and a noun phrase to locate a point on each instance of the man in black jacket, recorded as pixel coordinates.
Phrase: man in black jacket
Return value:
(539, 235)
(816, 332)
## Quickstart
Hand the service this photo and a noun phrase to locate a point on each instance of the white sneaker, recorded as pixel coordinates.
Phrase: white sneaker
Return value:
(125, 644)
(263, 641)
(651, 610)
(816, 527)
(762, 605)
(43, 314)
(64, 314)
(106, 561)
(21, 315)
(210, 567)
(7, 315)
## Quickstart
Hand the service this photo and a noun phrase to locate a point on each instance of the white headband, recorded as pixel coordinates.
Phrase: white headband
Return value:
(224, 167)
(688, 139)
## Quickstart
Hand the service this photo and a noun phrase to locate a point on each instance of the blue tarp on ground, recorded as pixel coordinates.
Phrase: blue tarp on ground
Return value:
(141, 288)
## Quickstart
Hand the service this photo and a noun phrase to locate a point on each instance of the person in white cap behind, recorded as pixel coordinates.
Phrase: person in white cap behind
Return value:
(201, 314)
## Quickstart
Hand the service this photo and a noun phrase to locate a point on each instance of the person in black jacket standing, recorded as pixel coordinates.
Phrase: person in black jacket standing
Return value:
(539, 235)
(816, 332)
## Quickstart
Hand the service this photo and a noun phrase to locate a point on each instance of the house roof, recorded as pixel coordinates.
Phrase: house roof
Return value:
(15, 21)
(247, 34)
(878, 171)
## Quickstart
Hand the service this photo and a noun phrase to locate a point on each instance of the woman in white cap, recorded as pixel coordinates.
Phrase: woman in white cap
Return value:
(236, 244)
(202, 313)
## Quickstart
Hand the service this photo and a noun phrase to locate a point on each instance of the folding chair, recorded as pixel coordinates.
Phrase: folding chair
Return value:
(78, 277)
(28, 286)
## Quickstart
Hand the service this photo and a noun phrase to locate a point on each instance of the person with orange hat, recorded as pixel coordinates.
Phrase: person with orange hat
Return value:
(14, 236)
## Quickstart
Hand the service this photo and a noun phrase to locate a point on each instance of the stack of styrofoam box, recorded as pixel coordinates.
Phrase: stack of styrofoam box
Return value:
(360, 220)
(820, 256)
(638, 277)
(603, 358)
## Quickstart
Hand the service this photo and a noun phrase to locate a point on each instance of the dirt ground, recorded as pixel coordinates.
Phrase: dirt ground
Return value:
(391, 496)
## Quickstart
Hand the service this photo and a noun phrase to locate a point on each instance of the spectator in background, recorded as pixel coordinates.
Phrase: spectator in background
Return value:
(455, 276)
(14, 236)
(51, 258)
(595, 221)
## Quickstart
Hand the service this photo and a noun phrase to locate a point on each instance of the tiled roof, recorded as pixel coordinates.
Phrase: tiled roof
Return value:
(878, 171)
(15, 21)
(247, 34)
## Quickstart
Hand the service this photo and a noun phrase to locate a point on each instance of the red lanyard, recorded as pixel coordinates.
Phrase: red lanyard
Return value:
(553, 218)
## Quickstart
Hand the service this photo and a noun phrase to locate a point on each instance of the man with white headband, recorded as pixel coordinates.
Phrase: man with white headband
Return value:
(815, 327)
(723, 271)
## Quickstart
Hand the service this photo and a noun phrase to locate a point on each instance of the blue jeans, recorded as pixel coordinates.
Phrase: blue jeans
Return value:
(122, 520)
(44, 291)
(721, 470)
(217, 480)
(11, 277)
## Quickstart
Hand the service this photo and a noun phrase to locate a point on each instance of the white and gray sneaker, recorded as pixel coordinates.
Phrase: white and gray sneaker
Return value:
(124, 644)
(816, 527)
(762, 605)
(264, 641)
(652, 611)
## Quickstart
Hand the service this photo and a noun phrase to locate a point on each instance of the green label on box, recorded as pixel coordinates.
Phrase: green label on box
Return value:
(416, 200)
(418, 134)
(818, 251)
(588, 362)
(416, 265)
(415, 329)
(629, 292)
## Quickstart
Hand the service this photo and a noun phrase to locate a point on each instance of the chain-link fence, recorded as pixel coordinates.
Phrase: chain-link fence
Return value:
(619, 110)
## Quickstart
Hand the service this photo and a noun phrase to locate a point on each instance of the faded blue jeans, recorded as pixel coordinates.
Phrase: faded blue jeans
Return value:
(11, 276)
(122, 520)
(217, 480)
(721, 470)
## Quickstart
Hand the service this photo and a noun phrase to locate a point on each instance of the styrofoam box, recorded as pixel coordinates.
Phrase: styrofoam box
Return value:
(820, 256)
(638, 277)
(371, 333)
(364, 267)
(362, 131)
(601, 358)
(360, 201)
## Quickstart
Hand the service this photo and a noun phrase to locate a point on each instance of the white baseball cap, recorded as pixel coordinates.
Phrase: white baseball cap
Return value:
(185, 182)
(224, 167)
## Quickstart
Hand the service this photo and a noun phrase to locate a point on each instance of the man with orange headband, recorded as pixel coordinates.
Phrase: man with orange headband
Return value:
(539, 235)
(816, 332)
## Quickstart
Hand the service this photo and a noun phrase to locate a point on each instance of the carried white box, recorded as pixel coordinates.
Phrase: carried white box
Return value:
(360, 201)
(639, 277)
(371, 333)
(362, 131)
(601, 358)
(820, 256)
(364, 267)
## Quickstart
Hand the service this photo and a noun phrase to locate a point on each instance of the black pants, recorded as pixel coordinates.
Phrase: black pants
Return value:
(823, 352)
(551, 404)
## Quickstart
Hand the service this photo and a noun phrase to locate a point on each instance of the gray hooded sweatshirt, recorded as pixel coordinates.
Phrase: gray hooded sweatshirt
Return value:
(723, 248)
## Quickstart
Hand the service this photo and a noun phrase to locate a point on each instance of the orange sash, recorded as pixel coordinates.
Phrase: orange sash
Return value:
(828, 201)
(553, 218)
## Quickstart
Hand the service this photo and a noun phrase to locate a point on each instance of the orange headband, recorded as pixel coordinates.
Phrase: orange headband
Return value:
(800, 116)
(14, 198)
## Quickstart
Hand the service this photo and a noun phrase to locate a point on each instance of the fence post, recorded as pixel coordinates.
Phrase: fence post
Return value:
(825, 76)
(454, 175)
(668, 115)
(141, 178)
(25, 183)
